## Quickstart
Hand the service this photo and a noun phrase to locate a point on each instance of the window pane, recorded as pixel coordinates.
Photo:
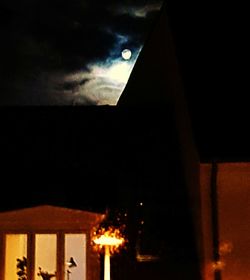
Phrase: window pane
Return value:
(45, 256)
(75, 251)
(15, 255)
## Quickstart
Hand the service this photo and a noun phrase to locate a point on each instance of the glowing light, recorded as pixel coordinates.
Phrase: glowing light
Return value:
(225, 248)
(146, 258)
(126, 54)
(117, 73)
(218, 265)
(110, 239)
(107, 263)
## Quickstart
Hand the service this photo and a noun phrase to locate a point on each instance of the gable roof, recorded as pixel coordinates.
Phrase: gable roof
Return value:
(47, 217)
(155, 79)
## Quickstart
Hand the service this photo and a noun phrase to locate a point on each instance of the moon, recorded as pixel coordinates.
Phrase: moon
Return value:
(126, 54)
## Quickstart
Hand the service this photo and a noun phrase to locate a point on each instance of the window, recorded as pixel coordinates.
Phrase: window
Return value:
(43, 256)
(16, 251)
(75, 251)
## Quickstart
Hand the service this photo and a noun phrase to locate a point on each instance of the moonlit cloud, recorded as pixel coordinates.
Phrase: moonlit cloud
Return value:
(122, 39)
(139, 11)
(105, 82)
(71, 55)
(101, 84)
(96, 83)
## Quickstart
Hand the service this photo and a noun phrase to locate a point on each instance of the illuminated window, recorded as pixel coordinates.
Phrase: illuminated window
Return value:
(45, 256)
(48, 243)
(15, 255)
(47, 248)
(75, 256)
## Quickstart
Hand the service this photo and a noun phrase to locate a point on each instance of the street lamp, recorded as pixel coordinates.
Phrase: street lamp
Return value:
(110, 239)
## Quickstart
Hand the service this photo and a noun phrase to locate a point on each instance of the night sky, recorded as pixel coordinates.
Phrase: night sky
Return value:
(69, 52)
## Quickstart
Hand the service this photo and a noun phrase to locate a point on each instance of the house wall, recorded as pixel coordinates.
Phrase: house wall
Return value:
(54, 221)
(233, 198)
(234, 218)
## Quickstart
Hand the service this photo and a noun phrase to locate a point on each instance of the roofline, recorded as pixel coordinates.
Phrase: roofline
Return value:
(51, 206)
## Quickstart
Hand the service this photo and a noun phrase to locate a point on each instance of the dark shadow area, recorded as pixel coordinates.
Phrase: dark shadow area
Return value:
(93, 158)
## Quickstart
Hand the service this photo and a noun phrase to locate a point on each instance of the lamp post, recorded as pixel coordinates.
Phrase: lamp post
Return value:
(71, 263)
(110, 240)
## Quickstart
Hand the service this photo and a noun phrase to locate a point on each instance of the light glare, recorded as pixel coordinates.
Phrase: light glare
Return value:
(108, 240)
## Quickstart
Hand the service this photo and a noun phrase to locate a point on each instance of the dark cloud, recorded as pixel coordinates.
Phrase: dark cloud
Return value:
(43, 42)
(139, 9)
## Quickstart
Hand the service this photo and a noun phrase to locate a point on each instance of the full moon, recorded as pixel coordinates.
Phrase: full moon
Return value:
(126, 54)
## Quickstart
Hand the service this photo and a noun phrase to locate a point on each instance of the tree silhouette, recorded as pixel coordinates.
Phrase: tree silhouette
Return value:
(45, 275)
(22, 268)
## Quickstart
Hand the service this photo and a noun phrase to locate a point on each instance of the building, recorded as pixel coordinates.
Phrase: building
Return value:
(225, 200)
(48, 242)
(69, 142)
(219, 192)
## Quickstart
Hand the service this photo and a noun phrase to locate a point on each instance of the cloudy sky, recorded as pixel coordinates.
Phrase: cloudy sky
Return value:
(69, 53)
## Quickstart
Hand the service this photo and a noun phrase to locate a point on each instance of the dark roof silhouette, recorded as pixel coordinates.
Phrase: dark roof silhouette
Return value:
(155, 79)
(175, 65)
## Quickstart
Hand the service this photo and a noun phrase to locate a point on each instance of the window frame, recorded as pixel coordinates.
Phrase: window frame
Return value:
(31, 246)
